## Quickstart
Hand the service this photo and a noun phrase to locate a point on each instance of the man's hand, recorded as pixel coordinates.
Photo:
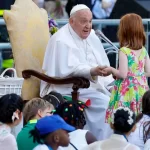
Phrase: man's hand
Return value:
(98, 71)
(107, 71)
(101, 71)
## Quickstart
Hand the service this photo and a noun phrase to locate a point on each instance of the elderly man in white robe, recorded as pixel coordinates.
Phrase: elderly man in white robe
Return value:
(76, 51)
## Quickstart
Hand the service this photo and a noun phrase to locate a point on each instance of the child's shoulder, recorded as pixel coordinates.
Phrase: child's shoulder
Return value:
(144, 51)
(125, 50)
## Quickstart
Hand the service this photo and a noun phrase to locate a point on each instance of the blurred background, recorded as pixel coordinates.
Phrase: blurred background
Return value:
(106, 15)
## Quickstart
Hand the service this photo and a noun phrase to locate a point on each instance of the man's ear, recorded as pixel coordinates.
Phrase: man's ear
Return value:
(71, 21)
(39, 113)
(20, 115)
(133, 128)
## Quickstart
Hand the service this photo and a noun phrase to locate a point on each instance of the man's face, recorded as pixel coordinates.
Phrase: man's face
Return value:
(60, 137)
(64, 138)
(45, 112)
(81, 23)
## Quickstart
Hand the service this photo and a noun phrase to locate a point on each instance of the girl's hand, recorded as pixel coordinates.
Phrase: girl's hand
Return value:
(97, 71)
(107, 71)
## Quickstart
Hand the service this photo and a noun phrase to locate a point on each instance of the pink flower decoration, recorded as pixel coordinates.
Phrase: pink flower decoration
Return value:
(125, 87)
(125, 83)
(107, 114)
(135, 88)
(115, 88)
(131, 74)
(135, 81)
(119, 104)
(144, 78)
(140, 65)
(124, 90)
(133, 105)
(132, 53)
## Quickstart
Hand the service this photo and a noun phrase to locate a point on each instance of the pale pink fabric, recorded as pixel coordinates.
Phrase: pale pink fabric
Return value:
(7, 140)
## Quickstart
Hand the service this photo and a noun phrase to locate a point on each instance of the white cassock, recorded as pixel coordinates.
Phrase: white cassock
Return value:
(68, 55)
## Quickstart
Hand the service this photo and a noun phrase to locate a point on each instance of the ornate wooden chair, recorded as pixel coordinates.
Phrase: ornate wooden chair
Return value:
(28, 30)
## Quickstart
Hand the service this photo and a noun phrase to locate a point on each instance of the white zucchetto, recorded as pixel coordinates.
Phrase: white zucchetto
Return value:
(77, 8)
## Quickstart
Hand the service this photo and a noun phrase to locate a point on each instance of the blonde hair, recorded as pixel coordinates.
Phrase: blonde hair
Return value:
(131, 32)
(31, 108)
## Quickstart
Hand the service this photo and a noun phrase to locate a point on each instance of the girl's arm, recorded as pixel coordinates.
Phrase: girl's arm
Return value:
(123, 67)
(147, 66)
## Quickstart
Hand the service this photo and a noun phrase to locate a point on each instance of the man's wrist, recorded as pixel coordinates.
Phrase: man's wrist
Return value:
(93, 72)
(112, 70)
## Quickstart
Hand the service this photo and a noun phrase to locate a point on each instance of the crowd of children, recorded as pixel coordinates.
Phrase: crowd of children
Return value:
(49, 128)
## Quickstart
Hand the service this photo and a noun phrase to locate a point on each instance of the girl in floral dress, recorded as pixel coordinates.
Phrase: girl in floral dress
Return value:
(134, 67)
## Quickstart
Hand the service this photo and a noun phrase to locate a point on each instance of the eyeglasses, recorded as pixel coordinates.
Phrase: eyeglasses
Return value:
(51, 112)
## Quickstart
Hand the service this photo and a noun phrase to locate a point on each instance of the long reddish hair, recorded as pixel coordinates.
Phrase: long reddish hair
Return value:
(131, 32)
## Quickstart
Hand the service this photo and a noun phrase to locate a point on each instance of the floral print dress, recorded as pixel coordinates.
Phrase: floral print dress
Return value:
(128, 92)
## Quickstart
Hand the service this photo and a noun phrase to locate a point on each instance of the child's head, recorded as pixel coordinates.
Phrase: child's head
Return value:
(131, 32)
(37, 108)
(123, 120)
(146, 103)
(52, 130)
(11, 106)
(72, 113)
(54, 98)
(145, 111)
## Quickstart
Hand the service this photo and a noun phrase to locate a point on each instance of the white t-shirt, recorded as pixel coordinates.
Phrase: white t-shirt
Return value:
(136, 137)
(115, 142)
(41, 147)
(147, 145)
(7, 140)
(78, 139)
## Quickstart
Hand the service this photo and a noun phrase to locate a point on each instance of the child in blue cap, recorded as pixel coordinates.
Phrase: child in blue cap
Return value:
(51, 132)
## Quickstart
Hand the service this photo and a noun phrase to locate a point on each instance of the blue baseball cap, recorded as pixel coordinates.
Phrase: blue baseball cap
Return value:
(52, 123)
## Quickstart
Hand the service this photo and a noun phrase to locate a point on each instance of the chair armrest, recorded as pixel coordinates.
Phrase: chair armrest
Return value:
(78, 82)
